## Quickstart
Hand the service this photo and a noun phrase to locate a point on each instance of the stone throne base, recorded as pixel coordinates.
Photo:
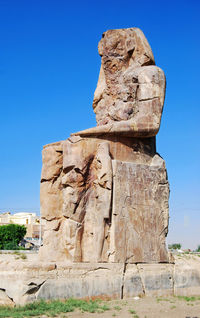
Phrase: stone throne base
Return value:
(27, 281)
(104, 200)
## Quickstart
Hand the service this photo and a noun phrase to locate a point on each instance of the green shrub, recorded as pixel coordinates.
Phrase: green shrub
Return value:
(176, 246)
(11, 235)
(198, 248)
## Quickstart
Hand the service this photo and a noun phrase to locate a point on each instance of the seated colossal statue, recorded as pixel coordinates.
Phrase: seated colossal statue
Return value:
(104, 190)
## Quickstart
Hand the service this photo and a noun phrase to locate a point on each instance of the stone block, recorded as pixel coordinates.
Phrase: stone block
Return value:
(157, 279)
(139, 218)
(133, 285)
(187, 277)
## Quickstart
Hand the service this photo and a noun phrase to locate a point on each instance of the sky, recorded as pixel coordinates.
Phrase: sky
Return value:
(49, 66)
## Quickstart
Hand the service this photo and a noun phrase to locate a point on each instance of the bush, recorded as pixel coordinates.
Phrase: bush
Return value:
(176, 246)
(198, 248)
(11, 235)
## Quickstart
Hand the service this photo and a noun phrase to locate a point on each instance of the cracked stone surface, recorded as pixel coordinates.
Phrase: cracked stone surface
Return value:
(139, 212)
(23, 281)
(130, 92)
(5, 300)
(104, 190)
(104, 196)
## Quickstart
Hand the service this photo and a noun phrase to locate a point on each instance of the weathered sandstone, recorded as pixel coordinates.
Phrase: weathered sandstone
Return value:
(104, 190)
(130, 92)
(23, 281)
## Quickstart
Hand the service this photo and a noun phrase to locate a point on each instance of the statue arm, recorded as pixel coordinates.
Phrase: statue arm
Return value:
(150, 100)
(129, 128)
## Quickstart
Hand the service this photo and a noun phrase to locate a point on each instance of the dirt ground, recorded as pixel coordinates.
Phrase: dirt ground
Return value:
(12, 256)
(147, 307)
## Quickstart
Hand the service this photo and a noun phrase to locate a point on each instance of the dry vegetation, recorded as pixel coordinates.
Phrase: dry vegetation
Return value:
(147, 307)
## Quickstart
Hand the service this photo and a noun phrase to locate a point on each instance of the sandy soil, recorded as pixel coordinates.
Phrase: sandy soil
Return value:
(147, 307)
(16, 256)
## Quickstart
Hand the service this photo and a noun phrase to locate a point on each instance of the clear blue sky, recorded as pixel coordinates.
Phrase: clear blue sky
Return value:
(49, 66)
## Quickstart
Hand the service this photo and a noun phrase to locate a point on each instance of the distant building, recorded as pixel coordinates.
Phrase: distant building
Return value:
(33, 223)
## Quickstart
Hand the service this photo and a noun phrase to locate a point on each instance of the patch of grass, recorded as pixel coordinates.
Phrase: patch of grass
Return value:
(124, 303)
(118, 302)
(162, 299)
(187, 298)
(15, 253)
(19, 255)
(117, 308)
(52, 308)
(23, 256)
(172, 307)
(132, 311)
(105, 307)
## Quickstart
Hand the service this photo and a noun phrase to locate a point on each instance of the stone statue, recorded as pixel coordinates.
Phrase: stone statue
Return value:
(130, 93)
(104, 190)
